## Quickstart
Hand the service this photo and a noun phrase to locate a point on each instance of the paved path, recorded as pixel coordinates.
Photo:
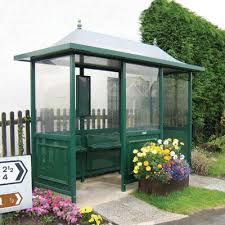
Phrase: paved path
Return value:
(207, 182)
(131, 211)
(103, 193)
(208, 217)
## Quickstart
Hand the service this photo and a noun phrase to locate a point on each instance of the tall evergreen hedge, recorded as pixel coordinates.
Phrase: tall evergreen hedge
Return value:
(194, 40)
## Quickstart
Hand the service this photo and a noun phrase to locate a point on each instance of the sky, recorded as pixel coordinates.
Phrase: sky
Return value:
(28, 25)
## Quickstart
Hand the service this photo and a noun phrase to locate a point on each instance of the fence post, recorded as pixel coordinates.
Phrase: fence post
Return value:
(64, 120)
(12, 134)
(58, 120)
(4, 141)
(20, 133)
(93, 118)
(98, 119)
(27, 124)
(103, 119)
(52, 125)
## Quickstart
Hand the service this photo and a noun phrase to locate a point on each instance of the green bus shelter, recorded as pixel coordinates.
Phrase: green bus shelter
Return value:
(95, 98)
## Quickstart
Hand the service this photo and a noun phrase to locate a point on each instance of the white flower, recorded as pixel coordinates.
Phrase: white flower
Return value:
(182, 157)
(181, 143)
(175, 142)
(139, 163)
(166, 142)
(159, 141)
(172, 153)
(175, 157)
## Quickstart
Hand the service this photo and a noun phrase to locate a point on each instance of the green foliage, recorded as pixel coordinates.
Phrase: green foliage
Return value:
(187, 201)
(194, 40)
(20, 139)
(46, 219)
(220, 141)
(9, 219)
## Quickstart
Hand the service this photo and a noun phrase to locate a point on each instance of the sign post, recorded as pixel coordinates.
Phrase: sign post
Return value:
(15, 183)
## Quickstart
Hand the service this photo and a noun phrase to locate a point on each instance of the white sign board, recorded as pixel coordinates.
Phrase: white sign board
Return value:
(15, 183)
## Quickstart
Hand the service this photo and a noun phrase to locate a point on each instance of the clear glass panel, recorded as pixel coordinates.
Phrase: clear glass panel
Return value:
(104, 100)
(175, 100)
(142, 93)
(97, 61)
(53, 94)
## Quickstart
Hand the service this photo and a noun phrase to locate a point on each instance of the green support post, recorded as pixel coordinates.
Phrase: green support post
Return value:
(161, 102)
(33, 121)
(123, 126)
(72, 151)
(189, 117)
(82, 127)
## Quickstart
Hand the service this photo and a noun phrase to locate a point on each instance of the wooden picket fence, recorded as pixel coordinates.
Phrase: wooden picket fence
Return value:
(15, 128)
(16, 124)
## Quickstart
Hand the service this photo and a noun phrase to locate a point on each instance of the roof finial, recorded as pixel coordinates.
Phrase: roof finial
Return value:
(79, 25)
(155, 42)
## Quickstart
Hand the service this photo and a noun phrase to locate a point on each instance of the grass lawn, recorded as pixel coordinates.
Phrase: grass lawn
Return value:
(217, 165)
(188, 201)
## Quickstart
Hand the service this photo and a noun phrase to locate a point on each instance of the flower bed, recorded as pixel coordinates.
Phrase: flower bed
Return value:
(48, 206)
(160, 167)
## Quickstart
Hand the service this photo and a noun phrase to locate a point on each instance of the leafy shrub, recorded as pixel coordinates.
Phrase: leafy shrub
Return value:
(219, 141)
(200, 162)
(213, 148)
(193, 39)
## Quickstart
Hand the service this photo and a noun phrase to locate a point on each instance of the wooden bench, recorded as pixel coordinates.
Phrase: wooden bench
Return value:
(103, 154)
(103, 141)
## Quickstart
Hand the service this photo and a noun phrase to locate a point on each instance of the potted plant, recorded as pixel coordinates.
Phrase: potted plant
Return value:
(160, 167)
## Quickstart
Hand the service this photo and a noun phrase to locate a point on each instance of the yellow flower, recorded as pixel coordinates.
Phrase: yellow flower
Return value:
(86, 209)
(148, 168)
(166, 151)
(139, 163)
(167, 158)
(143, 154)
(176, 147)
(135, 159)
(139, 154)
(135, 151)
(159, 166)
(97, 219)
(146, 163)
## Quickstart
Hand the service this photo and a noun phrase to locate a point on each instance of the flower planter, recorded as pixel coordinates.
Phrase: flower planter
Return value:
(157, 188)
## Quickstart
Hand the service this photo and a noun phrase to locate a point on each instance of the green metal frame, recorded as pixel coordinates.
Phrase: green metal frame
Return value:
(122, 77)
(33, 120)
(189, 117)
(72, 154)
(161, 102)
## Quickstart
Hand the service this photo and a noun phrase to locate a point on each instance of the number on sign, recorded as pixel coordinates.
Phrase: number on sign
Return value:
(6, 169)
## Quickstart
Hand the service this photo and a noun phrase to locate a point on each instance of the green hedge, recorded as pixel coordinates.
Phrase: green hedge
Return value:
(194, 40)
